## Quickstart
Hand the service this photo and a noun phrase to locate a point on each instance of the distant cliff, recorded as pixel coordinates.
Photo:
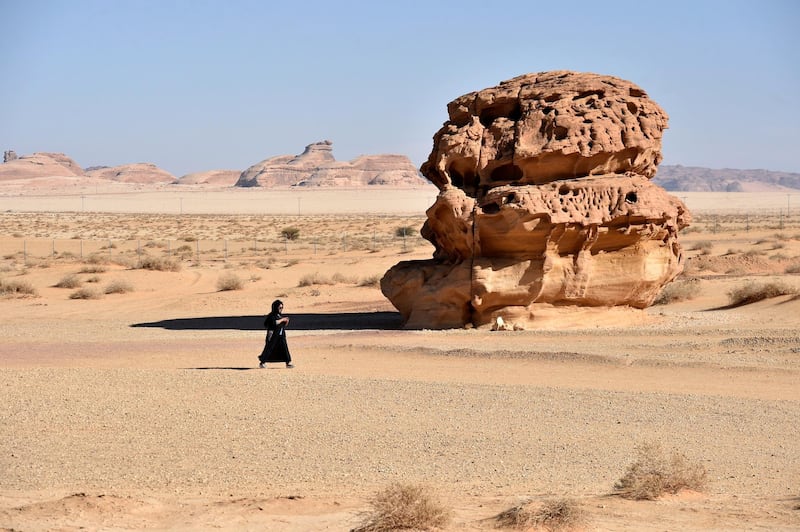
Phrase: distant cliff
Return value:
(699, 179)
(316, 167)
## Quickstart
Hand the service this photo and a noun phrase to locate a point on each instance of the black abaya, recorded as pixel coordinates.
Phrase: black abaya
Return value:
(275, 349)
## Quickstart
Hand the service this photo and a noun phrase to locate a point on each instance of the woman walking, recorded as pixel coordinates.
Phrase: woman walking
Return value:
(276, 349)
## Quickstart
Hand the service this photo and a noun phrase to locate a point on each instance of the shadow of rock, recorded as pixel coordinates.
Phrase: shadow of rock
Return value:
(299, 322)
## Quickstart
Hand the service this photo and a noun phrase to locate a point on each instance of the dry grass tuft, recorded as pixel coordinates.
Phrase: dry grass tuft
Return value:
(653, 474)
(86, 293)
(752, 292)
(17, 288)
(557, 514)
(678, 291)
(229, 281)
(403, 507)
(160, 264)
(69, 281)
(118, 287)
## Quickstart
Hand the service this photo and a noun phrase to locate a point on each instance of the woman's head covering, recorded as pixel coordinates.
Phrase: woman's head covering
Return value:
(276, 306)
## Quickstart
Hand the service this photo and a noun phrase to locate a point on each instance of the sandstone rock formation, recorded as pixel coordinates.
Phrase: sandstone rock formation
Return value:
(219, 178)
(40, 164)
(545, 199)
(9, 155)
(316, 167)
(139, 173)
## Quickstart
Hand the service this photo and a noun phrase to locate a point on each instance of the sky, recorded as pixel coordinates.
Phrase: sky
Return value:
(195, 85)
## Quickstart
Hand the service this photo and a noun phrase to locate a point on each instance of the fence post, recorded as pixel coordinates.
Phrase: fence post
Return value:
(24, 252)
(344, 242)
(225, 245)
(109, 247)
(169, 249)
(285, 244)
(54, 247)
(139, 250)
(197, 245)
(81, 249)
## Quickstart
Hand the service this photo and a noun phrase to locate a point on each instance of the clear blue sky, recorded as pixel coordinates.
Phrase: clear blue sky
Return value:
(211, 84)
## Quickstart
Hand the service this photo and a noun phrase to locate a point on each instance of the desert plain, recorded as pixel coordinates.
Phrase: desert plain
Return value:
(131, 397)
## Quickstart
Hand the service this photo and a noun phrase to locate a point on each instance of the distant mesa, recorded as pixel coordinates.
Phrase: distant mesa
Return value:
(138, 173)
(36, 165)
(545, 201)
(317, 167)
(698, 179)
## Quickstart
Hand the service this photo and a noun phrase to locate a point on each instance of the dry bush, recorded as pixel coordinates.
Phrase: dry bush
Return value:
(557, 514)
(752, 292)
(93, 279)
(704, 246)
(290, 233)
(160, 264)
(678, 291)
(403, 507)
(371, 281)
(86, 293)
(93, 269)
(17, 288)
(96, 258)
(118, 286)
(653, 474)
(229, 281)
(315, 278)
(68, 281)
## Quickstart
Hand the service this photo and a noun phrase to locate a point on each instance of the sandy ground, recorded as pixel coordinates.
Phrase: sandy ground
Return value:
(145, 410)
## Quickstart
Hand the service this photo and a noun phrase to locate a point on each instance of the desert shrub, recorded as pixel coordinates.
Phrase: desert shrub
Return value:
(558, 514)
(118, 286)
(403, 507)
(229, 281)
(653, 474)
(94, 268)
(96, 258)
(340, 278)
(93, 279)
(371, 281)
(704, 246)
(290, 233)
(404, 231)
(159, 263)
(292, 262)
(793, 268)
(677, 291)
(69, 281)
(188, 238)
(752, 292)
(85, 293)
(265, 263)
(17, 288)
(184, 248)
(315, 278)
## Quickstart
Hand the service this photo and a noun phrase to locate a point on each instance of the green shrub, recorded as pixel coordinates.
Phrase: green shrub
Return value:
(405, 231)
(290, 233)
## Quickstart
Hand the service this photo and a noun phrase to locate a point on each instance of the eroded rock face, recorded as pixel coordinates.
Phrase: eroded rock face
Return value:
(545, 199)
(317, 167)
(140, 173)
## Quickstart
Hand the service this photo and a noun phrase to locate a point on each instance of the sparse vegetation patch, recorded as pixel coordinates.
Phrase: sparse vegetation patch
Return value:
(752, 292)
(557, 514)
(404, 507)
(654, 474)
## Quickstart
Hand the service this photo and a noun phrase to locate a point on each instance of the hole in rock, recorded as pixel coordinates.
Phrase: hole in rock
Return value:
(552, 98)
(636, 93)
(491, 208)
(510, 110)
(632, 107)
(511, 197)
(631, 197)
(560, 132)
(586, 94)
(564, 190)
(506, 172)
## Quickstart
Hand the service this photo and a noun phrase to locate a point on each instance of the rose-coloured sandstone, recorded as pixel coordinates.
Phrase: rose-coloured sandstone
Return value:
(545, 199)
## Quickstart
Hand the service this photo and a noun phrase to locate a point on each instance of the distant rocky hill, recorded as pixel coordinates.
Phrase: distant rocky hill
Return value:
(316, 167)
(699, 179)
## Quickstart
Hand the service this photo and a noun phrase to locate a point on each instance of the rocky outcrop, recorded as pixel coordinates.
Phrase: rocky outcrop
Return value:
(138, 173)
(40, 164)
(9, 155)
(317, 167)
(545, 199)
(218, 178)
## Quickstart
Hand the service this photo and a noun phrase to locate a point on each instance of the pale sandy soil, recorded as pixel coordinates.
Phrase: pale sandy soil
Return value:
(145, 410)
